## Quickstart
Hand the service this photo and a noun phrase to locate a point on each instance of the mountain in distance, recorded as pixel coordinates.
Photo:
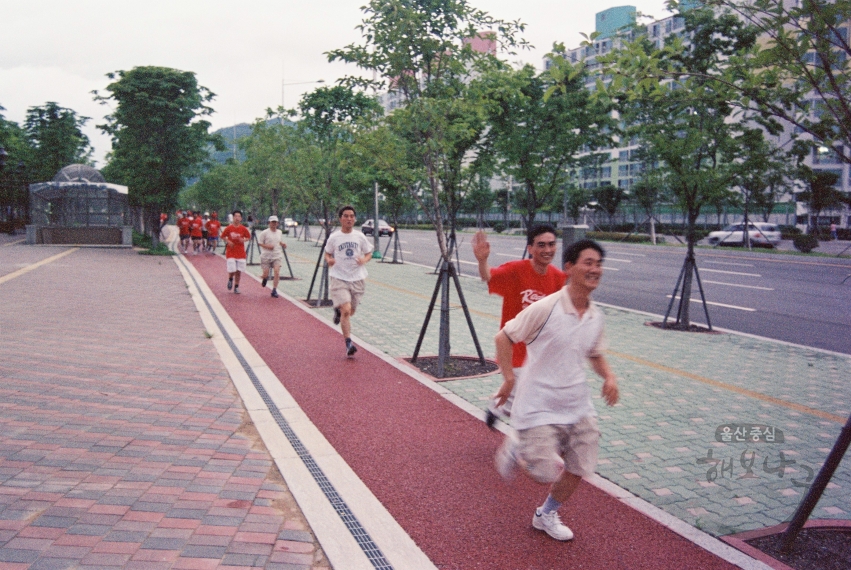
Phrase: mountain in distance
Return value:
(231, 136)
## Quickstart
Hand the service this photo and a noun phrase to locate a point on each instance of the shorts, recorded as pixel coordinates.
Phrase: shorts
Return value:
(184, 237)
(270, 262)
(546, 450)
(235, 265)
(343, 292)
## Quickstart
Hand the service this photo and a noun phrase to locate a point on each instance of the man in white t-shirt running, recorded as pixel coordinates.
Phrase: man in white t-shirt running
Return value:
(271, 241)
(347, 251)
(556, 429)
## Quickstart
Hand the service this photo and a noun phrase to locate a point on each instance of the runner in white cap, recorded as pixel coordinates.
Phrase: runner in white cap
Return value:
(271, 241)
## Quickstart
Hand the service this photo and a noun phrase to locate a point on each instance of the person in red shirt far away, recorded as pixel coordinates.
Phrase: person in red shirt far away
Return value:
(214, 226)
(520, 283)
(235, 236)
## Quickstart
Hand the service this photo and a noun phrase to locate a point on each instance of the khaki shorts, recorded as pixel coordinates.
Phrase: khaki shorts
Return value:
(546, 450)
(271, 262)
(343, 292)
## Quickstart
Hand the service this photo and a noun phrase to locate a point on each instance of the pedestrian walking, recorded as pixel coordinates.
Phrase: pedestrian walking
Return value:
(347, 251)
(235, 236)
(271, 241)
(197, 233)
(556, 437)
(520, 283)
(184, 228)
(833, 233)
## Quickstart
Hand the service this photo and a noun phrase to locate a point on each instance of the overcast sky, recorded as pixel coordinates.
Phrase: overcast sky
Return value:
(60, 50)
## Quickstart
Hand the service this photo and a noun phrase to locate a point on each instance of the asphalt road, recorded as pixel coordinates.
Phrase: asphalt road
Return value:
(792, 298)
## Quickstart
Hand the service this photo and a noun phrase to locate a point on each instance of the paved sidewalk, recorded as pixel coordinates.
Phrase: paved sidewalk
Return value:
(123, 442)
(677, 389)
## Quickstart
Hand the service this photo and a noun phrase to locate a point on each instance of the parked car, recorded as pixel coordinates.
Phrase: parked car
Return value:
(290, 223)
(384, 229)
(761, 234)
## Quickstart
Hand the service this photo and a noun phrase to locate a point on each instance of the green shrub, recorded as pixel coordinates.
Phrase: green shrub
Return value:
(498, 227)
(805, 243)
(141, 240)
(161, 249)
(789, 232)
(622, 237)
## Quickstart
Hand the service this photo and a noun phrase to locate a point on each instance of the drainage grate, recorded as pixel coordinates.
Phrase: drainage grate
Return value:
(373, 553)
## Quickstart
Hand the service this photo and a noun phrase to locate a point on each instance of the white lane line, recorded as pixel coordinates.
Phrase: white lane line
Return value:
(508, 255)
(693, 300)
(468, 262)
(621, 260)
(607, 268)
(730, 272)
(737, 285)
(631, 254)
(729, 263)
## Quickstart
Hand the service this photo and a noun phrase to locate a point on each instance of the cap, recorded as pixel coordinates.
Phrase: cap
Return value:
(273, 218)
(206, 213)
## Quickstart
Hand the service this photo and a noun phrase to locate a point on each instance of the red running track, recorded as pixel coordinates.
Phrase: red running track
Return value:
(430, 463)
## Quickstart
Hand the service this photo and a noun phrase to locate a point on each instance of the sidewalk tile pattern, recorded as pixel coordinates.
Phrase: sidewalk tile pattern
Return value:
(122, 440)
(676, 389)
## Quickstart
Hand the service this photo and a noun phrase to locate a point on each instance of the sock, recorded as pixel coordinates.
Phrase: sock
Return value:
(348, 342)
(550, 505)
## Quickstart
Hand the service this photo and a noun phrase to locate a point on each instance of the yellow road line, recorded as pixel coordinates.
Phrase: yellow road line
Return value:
(14, 242)
(731, 388)
(36, 265)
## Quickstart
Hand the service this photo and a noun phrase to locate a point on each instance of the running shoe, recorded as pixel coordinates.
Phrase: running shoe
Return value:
(275, 293)
(551, 524)
(230, 283)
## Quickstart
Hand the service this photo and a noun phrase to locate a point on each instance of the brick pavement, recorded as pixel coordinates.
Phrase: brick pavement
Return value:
(676, 390)
(122, 440)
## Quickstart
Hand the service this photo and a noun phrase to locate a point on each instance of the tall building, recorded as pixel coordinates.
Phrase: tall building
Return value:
(614, 26)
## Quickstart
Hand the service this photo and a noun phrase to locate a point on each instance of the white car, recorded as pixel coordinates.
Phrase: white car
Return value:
(290, 223)
(761, 233)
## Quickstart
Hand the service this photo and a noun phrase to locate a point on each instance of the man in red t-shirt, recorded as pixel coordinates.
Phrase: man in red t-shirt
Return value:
(197, 233)
(214, 226)
(184, 227)
(235, 236)
(520, 283)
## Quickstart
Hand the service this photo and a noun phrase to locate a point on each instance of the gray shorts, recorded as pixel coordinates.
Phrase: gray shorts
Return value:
(343, 292)
(546, 450)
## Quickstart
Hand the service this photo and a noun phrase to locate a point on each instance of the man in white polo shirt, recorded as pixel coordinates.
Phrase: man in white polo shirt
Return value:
(556, 428)
(347, 251)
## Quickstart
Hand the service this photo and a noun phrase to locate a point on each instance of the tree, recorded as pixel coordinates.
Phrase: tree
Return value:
(543, 125)
(14, 179)
(56, 136)
(822, 194)
(158, 136)
(609, 198)
(421, 50)
(689, 123)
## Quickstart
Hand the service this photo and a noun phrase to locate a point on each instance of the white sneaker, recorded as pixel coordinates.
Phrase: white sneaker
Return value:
(551, 524)
(506, 459)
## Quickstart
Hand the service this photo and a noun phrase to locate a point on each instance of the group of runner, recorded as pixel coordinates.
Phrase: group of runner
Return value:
(549, 327)
(198, 232)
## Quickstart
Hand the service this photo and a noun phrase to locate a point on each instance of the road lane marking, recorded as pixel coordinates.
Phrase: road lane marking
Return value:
(730, 272)
(607, 268)
(621, 260)
(737, 285)
(468, 262)
(732, 388)
(14, 242)
(693, 300)
(36, 265)
(730, 263)
(625, 253)
(511, 255)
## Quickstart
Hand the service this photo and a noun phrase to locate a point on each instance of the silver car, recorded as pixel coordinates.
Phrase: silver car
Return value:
(761, 233)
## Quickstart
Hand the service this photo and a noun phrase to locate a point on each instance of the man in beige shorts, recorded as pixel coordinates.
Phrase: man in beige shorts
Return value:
(271, 241)
(556, 429)
(347, 251)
